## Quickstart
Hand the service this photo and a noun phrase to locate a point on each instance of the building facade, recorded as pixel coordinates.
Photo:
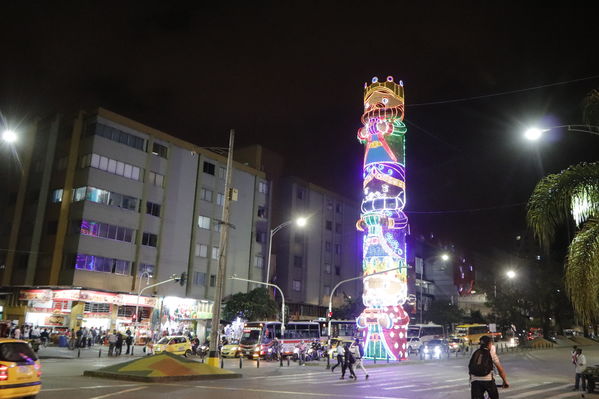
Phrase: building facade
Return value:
(310, 261)
(105, 203)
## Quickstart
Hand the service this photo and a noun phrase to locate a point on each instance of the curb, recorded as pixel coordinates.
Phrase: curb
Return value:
(140, 378)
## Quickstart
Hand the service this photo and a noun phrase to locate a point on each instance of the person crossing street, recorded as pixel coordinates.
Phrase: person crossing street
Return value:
(358, 352)
(340, 355)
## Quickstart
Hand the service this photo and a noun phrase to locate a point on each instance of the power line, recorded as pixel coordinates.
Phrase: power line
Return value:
(467, 210)
(503, 93)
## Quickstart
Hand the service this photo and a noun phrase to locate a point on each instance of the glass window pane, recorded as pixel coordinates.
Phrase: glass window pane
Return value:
(120, 166)
(103, 163)
(95, 161)
(159, 180)
(120, 233)
(135, 173)
(127, 171)
(111, 166)
(111, 231)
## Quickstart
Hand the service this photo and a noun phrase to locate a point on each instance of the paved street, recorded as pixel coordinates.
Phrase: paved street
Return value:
(545, 374)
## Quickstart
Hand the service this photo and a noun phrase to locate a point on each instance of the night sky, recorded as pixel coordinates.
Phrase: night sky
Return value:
(290, 77)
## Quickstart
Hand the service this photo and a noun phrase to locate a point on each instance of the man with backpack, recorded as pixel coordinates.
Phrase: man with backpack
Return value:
(480, 369)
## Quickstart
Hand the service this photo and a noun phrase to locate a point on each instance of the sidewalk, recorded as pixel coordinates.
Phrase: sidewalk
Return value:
(55, 352)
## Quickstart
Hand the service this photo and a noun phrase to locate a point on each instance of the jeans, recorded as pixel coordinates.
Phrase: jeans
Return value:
(111, 348)
(339, 362)
(579, 376)
(478, 389)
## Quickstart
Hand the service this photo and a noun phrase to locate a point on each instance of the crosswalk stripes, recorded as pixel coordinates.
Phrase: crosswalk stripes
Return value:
(536, 392)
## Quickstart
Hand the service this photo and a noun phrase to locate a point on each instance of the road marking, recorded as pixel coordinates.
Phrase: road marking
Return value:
(457, 379)
(89, 387)
(117, 393)
(399, 387)
(435, 388)
(566, 395)
(293, 393)
(530, 393)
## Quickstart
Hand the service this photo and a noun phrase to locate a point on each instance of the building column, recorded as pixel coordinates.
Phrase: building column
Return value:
(77, 309)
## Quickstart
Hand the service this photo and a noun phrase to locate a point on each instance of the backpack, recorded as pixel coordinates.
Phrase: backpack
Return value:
(481, 363)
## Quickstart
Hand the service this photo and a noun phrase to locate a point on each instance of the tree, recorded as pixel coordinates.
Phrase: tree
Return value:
(255, 305)
(351, 308)
(572, 196)
(444, 313)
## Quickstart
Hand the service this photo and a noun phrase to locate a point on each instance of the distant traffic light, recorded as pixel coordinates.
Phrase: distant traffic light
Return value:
(330, 315)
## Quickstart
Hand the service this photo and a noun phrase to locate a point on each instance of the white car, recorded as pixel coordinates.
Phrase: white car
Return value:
(414, 345)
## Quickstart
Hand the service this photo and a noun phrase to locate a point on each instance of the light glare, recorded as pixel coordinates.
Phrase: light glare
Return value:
(445, 257)
(534, 133)
(301, 222)
(511, 274)
(9, 136)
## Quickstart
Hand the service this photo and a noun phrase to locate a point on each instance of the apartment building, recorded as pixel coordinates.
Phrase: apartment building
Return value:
(104, 202)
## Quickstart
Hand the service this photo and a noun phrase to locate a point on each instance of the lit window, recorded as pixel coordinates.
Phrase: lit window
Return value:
(259, 261)
(215, 253)
(222, 172)
(220, 199)
(296, 285)
(199, 278)
(201, 250)
(206, 195)
(57, 195)
(204, 222)
(263, 187)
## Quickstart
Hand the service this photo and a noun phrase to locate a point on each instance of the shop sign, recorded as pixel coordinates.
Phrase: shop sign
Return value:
(98, 297)
(131, 300)
(66, 295)
(35, 295)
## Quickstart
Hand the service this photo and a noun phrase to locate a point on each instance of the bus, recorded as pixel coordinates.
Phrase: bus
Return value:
(256, 340)
(426, 332)
(343, 329)
(471, 333)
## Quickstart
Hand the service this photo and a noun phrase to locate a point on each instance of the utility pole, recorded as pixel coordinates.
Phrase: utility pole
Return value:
(213, 354)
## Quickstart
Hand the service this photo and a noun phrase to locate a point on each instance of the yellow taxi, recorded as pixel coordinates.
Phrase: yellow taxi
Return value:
(231, 350)
(20, 370)
(179, 345)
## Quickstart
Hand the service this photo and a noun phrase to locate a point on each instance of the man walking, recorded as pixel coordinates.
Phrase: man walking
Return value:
(581, 364)
(340, 353)
(358, 352)
(480, 369)
(349, 360)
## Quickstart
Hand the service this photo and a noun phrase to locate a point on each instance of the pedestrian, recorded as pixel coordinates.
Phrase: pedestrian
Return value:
(358, 352)
(17, 333)
(44, 336)
(94, 336)
(128, 341)
(574, 354)
(340, 354)
(119, 343)
(581, 364)
(480, 370)
(348, 362)
(112, 338)
(79, 335)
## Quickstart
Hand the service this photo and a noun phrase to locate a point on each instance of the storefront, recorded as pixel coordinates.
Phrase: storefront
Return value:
(183, 315)
(71, 309)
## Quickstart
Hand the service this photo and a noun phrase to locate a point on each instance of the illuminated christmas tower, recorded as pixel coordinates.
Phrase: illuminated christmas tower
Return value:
(383, 221)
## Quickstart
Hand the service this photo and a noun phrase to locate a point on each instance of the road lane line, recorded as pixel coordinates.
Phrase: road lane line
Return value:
(117, 393)
(293, 393)
(531, 393)
(89, 387)
(435, 388)
(575, 394)
(399, 387)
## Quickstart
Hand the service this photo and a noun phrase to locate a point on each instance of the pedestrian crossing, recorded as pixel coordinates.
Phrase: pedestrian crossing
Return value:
(395, 382)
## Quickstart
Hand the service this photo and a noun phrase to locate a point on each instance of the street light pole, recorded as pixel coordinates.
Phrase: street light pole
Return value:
(141, 290)
(535, 133)
(270, 285)
(301, 222)
(222, 259)
(343, 282)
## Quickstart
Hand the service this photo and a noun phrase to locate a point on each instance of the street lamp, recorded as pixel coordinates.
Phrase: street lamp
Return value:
(535, 133)
(299, 222)
(9, 136)
(510, 274)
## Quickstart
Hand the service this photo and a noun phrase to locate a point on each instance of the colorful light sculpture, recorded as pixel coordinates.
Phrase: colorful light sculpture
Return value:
(384, 321)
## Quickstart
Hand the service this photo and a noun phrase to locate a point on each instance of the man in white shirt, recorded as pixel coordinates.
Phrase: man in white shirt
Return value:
(479, 384)
(581, 364)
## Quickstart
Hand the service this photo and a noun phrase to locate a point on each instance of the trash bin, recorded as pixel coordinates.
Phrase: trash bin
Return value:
(63, 342)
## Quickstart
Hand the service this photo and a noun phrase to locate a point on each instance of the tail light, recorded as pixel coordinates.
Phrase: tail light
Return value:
(3, 372)
(38, 369)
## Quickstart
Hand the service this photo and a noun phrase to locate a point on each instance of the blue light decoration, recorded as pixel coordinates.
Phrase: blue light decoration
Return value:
(384, 322)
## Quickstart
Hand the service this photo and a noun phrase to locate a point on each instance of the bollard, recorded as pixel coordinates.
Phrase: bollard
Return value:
(222, 363)
(100, 353)
(280, 361)
(258, 362)
(387, 358)
(287, 361)
(78, 352)
(328, 362)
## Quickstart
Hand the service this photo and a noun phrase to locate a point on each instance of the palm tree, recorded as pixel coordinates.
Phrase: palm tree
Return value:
(572, 194)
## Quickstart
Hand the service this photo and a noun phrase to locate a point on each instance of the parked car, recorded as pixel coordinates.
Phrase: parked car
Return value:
(20, 369)
(434, 349)
(414, 345)
(179, 345)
